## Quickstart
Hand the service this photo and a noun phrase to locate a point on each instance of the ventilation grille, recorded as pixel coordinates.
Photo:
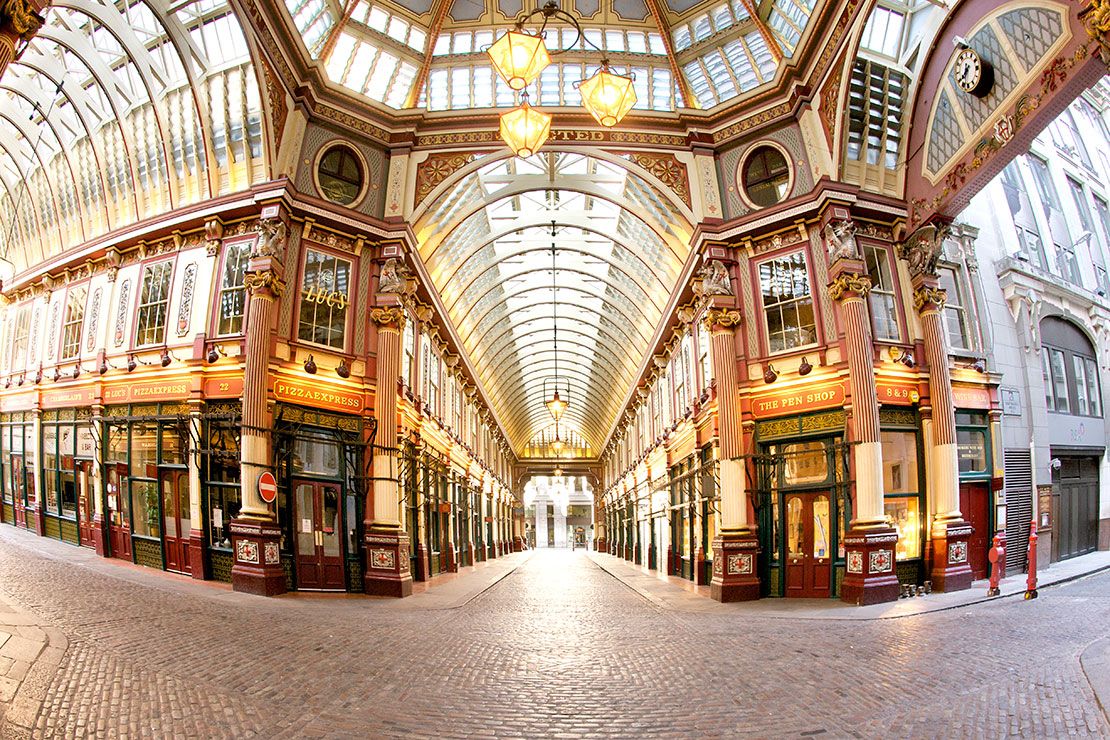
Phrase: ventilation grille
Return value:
(1019, 507)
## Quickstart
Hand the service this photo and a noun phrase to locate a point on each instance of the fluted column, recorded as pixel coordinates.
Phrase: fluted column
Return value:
(386, 572)
(849, 291)
(255, 536)
(100, 524)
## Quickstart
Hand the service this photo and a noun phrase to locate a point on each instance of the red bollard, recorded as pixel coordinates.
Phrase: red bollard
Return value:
(997, 556)
(1031, 581)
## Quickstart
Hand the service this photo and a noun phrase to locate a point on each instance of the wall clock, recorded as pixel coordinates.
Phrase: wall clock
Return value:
(973, 74)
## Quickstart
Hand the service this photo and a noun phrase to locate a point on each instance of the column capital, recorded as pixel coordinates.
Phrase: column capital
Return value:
(722, 319)
(21, 16)
(388, 318)
(265, 282)
(848, 286)
(929, 299)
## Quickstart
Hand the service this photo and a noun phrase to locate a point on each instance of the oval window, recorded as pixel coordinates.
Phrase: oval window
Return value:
(340, 175)
(766, 176)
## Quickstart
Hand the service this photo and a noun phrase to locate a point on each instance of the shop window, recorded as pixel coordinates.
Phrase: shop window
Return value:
(315, 456)
(340, 175)
(71, 325)
(901, 488)
(145, 519)
(154, 301)
(955, 314)
(787, 303)
(803, 463)
(233, 292)
(766, 176)
(325, 295)
(971, 443)
(50, 468)
(20, 335)
(884, 314)
(144, 450)
(222, 482)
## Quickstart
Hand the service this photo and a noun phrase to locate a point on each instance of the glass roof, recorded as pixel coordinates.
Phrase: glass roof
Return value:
(405, 55)
(619, 246)
(121, 111)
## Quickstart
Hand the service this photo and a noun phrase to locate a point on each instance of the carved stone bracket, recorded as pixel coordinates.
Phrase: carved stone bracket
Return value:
(713, 279)
(928, 298)
(840, 239)
(722, 317)
(271, 238)
(923, 248)
(263, 281)
(388, 317)
(395, 278)
(848, 285)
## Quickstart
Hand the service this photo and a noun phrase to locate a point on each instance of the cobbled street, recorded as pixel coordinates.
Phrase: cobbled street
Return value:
(557, 648)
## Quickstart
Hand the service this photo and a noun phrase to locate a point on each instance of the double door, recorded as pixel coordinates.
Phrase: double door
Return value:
(19, 494)
(176, 521)
(319, 539)
(85, 509)
(118, 511)
(808, 540)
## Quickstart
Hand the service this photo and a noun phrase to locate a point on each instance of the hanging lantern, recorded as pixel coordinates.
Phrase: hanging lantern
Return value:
(557, 445)
(519, 58)
(525, 129)
(556, 406)
(607, 96)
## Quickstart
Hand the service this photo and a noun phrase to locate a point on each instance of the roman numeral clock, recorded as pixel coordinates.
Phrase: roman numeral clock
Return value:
(973, 74)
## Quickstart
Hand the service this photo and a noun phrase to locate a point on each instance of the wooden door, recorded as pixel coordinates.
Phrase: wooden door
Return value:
(1077, 512)
(118, 511)
(808, 541)
(975, 505)
(85, 507)
(319, 541)
(19, 501)
(175, 518)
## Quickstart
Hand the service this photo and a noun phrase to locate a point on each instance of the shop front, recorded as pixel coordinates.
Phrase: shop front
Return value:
(68, 467)
(17, 456)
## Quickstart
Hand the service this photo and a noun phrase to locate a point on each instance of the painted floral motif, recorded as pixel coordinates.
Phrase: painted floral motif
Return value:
(273, 556)
(121, 312)
(957, 552)
(739, 564)
(880, 561)
(185, 310)
(855, 562)
(246, 551)
(383, 559)
(717, 567)
(94, 321)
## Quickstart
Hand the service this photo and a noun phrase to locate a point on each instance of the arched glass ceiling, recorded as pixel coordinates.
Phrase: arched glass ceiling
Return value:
(386, 50)
(121, 111)
(619, 244)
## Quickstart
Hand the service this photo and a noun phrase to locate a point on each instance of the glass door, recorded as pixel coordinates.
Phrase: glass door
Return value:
(808, 561)
(85, 527)
(118, 511)
(318, 542)
(18, 495)
(175, 513)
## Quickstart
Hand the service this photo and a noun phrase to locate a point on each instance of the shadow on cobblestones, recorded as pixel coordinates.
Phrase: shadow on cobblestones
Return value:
(557, 648)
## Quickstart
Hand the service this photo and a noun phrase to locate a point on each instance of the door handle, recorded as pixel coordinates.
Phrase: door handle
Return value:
(318, 538)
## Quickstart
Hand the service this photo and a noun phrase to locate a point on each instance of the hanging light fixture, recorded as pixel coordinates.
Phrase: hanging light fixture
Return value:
(520, 55)
(556, 405)
(557, 445)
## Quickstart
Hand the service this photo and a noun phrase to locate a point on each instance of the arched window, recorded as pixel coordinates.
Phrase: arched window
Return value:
(1070, 369)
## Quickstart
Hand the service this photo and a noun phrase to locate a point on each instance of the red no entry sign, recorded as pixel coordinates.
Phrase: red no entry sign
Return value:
(267, 487)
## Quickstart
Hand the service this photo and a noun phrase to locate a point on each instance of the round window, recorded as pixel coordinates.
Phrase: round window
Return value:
(340, 175)
(766, 176)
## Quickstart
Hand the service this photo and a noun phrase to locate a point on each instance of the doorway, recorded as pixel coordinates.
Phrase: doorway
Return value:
(808, 541)
(19, 500)
(175, 515)
(975, 506)
(1077, 510)
(118, 512)
(319, 539)
(85, 508)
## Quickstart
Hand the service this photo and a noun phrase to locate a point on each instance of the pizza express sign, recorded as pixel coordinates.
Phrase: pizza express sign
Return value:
(311, 394)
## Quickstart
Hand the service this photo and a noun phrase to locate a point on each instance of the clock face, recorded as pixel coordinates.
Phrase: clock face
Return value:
(969, 69)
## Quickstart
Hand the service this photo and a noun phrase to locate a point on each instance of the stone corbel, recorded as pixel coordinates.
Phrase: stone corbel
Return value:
(922, 249)
(213, 236)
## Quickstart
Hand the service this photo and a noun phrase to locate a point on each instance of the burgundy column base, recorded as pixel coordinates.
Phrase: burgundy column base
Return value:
(699, 567)
(40, 522)
(257, 566)
(951, 571)
(387, 563)
(627, 552)
(198, 563)
(470, 553)
(871, 576)
(518, 544)
(601, 545)
(100, 535)
(670, 561)
(735, 557)
(422, 566)
(452, 561)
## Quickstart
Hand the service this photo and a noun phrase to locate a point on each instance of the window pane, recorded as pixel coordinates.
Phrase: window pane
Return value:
(899, 462)
(1080, 385)
(325, 295)
(1059, 380)
(905, 516)
(1094, 393)
(972, 446)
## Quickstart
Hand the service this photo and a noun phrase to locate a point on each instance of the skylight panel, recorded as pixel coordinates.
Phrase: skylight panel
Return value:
(655, 44)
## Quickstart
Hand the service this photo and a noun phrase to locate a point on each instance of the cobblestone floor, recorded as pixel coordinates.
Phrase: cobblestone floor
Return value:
(558, 648)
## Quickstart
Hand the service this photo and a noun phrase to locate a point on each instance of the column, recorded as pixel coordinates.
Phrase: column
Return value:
(18, 21)
(386, 571)
(100, 524)
(255, 536)
(870, 575)
(736, 547)
(197, 561)
(949, 532)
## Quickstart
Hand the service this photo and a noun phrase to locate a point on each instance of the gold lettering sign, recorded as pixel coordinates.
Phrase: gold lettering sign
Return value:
(333, 298)
(318, 396)
(167, 390)
(971, 397)
(798, 401)
(68, 398)
(223, 387)
(897, 394)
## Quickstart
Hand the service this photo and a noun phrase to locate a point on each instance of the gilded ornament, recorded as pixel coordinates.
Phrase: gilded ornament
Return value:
(928, 296)
(264, 280)
(852, 284)
(385, 317)
(723, 317)
(22, 16)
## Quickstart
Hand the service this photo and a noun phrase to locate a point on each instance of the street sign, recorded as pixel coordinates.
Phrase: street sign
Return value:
(267, 487)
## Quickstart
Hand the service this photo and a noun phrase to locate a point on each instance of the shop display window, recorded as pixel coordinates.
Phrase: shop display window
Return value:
(222, 483)
(804, 463)
(144, 450)
(50, 466)
(315, 456)
(325, 298)
(902, 488)
(146, 518)
(905, 516)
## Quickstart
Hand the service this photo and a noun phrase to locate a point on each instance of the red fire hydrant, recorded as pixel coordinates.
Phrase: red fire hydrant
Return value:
(1031, 581)
(997, 556)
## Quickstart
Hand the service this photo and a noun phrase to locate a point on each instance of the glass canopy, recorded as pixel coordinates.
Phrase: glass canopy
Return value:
(619, 246)
(116, 112)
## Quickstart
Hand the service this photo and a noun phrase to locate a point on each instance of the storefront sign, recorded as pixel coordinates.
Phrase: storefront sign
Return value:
(798, 401)
(971, 397)
(86, 443)
(896, 393)
(21, 402)
(68, 398)
(223, 387)
(317, 396)
(158, 390)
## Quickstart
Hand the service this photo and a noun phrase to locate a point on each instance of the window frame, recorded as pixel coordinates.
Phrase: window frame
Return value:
(221, 289)
(891, 293)
(960, 305)
(764, 328)
(139, 305)
(68, 323)
(352, 281)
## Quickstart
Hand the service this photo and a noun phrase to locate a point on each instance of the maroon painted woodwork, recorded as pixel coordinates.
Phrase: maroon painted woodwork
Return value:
(808, 570)
(198, 562)
(949, 545)
(318, 536)
(86, 526)
(119, 526)
(734, 576)
(100, 535)
(387, 563)
(175, 509)
(975, 505)
(870, 575)
(256, 568)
